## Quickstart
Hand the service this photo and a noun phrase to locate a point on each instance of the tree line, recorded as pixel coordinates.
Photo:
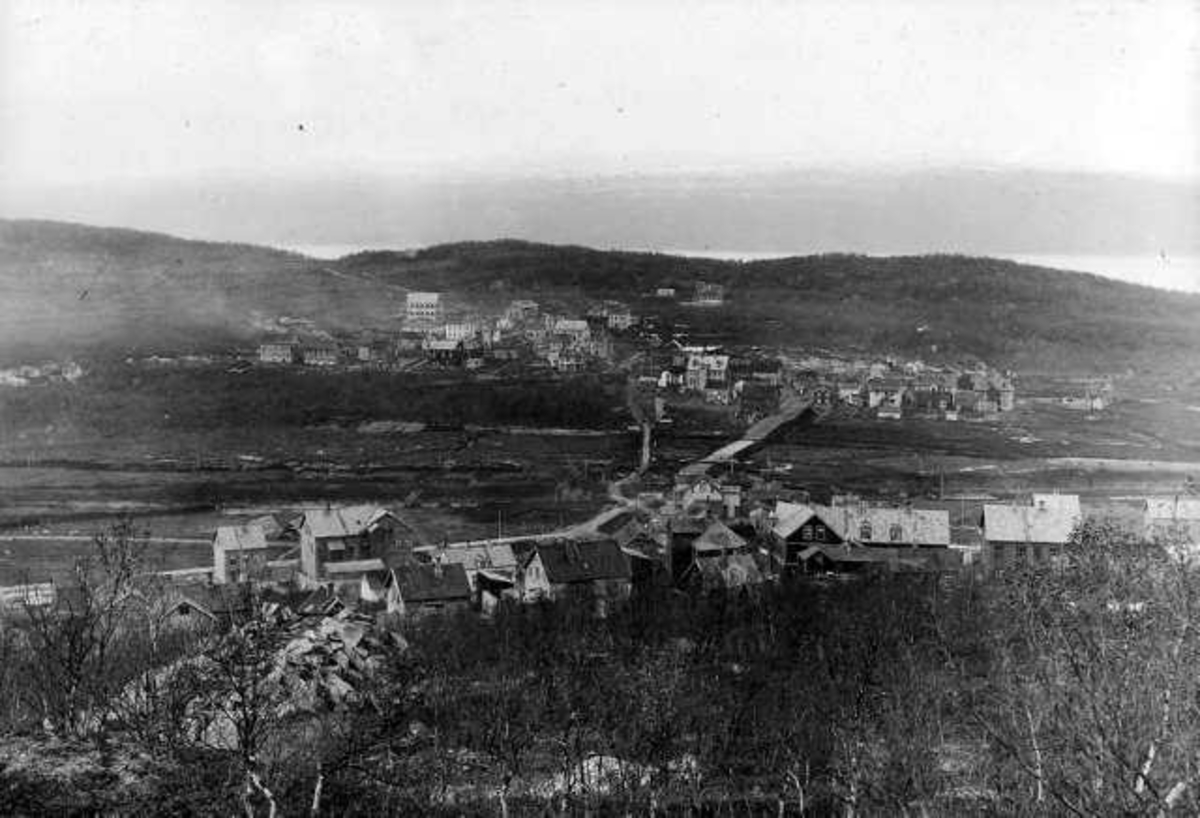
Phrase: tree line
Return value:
(1058, 690)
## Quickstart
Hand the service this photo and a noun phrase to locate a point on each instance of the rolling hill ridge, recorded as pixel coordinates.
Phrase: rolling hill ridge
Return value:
(74, 289)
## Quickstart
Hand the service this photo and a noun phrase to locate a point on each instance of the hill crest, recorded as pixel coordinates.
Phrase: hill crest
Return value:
(83, 288)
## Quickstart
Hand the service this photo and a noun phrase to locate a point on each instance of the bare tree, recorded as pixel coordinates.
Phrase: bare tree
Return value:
(76, 656)
(1094, 701)
(239, 698)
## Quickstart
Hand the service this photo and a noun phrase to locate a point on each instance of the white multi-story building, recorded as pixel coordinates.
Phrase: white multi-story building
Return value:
(709, 293)
(575, 328)
(461, 331)
(423, 307)
(277, 352)
(706, 370)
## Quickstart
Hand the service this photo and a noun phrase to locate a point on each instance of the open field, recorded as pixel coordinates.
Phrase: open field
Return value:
(181, 478)
(465, 484)
(1124, 451)
(451, 484)
(184, 450)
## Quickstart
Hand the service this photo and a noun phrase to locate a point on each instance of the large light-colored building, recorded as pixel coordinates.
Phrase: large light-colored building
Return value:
(1173, 521)
(421, 306)
(460, 331)
(575, 328)
(277, 352)
(709, 294)
(319, 355)
(243, 553)
(339, 544)
(1030, 534)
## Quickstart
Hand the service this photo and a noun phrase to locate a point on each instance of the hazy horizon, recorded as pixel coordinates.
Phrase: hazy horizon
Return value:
(116, 90)
(769, 126)
(791, 210)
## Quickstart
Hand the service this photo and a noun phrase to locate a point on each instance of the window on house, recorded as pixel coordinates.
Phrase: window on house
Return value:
(864, 531)
(896, 533)
(806, 533)
(821, 533)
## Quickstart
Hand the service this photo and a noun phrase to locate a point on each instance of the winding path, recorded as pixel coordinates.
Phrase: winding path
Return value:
(793, 406)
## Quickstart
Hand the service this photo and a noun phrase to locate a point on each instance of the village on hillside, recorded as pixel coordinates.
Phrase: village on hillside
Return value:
(606, 410)
(717, 524)
(492, 523)
(527, 340)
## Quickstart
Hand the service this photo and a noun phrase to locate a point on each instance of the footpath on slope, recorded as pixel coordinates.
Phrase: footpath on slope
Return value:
(793, 407)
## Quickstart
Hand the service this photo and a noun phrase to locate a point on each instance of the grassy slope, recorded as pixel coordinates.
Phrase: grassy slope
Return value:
(72, 289)
(154, 292)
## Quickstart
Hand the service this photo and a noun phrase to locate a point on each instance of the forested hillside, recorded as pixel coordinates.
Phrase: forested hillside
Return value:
(935, 306)
(72, 289)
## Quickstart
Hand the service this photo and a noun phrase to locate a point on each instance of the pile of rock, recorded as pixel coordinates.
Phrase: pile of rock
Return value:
(325, 664)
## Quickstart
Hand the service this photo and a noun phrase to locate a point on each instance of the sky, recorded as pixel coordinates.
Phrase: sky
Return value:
(95, 91)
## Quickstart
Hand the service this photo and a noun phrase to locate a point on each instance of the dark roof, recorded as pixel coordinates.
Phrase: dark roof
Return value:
(645, 544)
(615, 523)
(847, 553)
(753, 389)
(433, 583)
(493, 581)
(587, 561)
(923, 560)
(718, 538)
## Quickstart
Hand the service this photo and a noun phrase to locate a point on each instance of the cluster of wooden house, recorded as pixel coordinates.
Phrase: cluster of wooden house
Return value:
(715, 374)
(892, 391)
(705, 535)
(371, 559)
(430, 334)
